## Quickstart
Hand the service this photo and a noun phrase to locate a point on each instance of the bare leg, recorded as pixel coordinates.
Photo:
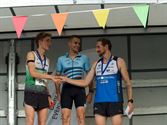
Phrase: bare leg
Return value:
(30, 113)
(100, 120)
(42, 116)
(81, 115)
(66, 116)
(117, 120)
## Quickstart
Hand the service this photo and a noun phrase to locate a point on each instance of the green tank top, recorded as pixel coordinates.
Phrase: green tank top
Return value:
(33, 84)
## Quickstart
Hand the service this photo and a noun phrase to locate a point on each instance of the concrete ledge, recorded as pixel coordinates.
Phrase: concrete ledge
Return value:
(151, 110)
(149, 83)
(135, 83)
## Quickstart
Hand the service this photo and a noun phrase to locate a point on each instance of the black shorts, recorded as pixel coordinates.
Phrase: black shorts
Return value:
(108, 109)
(37, 100)
(70, 94)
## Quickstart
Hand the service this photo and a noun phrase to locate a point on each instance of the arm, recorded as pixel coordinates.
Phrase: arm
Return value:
(58, 71)
(57, 88)
(91, 89)
(125, 75)
(51, 102)
(32, 70)
(90, 94)
(82, 83)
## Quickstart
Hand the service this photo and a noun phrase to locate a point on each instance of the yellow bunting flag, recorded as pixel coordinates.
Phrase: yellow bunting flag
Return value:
(101, 16)
(59, 21)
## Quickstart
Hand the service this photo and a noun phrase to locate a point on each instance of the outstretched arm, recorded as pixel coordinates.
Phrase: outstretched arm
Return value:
(83, 83)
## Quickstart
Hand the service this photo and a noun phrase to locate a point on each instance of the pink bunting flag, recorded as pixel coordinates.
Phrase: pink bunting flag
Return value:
(19, 22)
(59, 21)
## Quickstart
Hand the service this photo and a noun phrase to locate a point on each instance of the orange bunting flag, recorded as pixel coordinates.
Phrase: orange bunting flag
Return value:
(18, 23)
(59, 21)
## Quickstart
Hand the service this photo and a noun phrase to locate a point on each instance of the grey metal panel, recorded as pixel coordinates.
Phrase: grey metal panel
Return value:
(150, 120)
(21, 79)
(149, 51)
(4, 47)
(20, 98)
(3, 98)
(148, 97)
(22, 47)
(149, 75)
(118, 42)
(59, 48)
(3, 83)
(3, 121)
(21, 121)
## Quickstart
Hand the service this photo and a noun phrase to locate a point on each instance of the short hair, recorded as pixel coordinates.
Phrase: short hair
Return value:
(74, 36)
(105, 42)
(41, 36)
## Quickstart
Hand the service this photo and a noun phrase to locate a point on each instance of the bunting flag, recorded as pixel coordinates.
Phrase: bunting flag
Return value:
(101, 16)
(19, 22)
(59, 21)
(142, 13)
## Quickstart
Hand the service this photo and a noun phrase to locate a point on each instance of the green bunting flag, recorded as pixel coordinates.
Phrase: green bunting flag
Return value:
(142, 13)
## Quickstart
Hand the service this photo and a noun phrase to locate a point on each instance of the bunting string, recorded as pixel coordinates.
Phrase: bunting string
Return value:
(82, 11)
(101, 16)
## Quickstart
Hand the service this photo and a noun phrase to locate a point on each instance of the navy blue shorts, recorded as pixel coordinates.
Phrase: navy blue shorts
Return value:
(70, 94)
(108, 109)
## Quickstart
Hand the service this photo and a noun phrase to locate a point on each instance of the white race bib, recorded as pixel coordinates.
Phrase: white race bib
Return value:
(40, 82)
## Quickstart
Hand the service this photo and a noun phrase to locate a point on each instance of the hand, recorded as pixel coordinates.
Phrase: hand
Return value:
(58, 95)
(56, 79)
(89, 97)
(51, 103)
(131, 107)
(63, 78)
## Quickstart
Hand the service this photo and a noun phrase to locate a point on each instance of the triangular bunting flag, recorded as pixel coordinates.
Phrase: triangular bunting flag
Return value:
(59, 21)
(142, 13)
(19, 22)
(101, 16)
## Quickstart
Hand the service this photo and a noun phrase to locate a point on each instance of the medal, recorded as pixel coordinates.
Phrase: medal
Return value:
(102, 71)
(39, 57)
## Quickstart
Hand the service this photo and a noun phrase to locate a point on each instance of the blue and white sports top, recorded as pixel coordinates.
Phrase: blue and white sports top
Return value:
(108, 82)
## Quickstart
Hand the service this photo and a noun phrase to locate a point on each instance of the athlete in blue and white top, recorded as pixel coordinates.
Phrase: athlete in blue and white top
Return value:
(107, 71)
(108, 81)
(73, 65)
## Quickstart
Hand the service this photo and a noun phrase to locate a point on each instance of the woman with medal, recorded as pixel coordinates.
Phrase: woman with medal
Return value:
(36, 94)
(108, 72)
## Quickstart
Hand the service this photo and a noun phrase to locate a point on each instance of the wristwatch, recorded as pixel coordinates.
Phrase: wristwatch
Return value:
(130, 100)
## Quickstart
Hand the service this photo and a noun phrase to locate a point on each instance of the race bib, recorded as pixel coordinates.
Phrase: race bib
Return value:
(40, 82)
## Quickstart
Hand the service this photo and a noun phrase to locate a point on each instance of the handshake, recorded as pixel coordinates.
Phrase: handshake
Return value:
(59, 79)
